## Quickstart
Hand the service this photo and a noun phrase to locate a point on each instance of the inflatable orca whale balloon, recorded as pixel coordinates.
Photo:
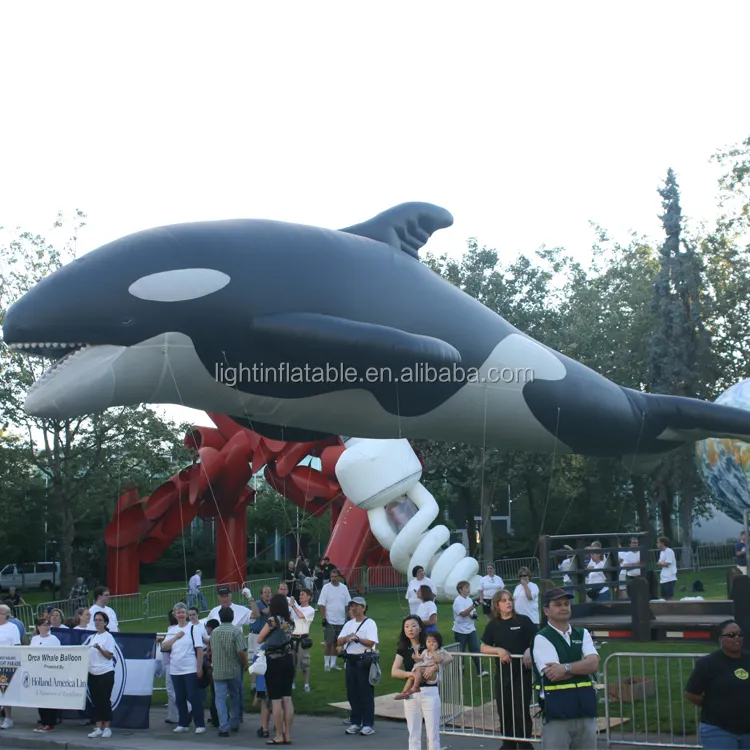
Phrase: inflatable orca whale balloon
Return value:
(300, 332)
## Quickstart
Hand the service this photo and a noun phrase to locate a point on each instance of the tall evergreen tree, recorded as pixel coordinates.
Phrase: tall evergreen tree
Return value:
(679, 351)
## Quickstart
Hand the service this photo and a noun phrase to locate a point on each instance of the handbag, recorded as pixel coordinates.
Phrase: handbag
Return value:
(376, 673)
(305, 643)
(260, 665)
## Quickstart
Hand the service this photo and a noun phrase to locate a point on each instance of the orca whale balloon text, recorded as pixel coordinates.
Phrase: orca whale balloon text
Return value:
(300, 332)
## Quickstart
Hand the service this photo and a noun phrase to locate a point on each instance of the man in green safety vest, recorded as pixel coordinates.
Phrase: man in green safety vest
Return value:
(565, 662)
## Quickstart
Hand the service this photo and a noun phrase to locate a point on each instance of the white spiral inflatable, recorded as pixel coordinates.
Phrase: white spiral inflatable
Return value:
(382, 477)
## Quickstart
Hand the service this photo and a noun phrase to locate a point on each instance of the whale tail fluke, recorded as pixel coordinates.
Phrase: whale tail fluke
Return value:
(678, 419)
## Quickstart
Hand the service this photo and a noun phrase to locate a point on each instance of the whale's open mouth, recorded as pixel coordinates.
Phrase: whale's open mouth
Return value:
(62, 353)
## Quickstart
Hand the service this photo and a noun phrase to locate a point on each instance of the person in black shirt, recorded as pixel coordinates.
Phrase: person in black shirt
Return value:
(720, 685)
(509, 633)
(15, 597)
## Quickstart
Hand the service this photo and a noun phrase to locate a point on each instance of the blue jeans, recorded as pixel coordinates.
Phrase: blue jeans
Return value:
(200, 598)
(223, 688)
(469, 642)
(186, 689)
(715, 738)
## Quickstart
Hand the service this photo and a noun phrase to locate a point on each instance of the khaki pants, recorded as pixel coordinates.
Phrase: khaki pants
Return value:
(569, 734)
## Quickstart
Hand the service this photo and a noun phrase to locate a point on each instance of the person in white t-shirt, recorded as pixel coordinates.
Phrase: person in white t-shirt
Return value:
(412, 595)
(596, 576)
(464, 624)
(44, 639)
(488, 585)
(9, 636)
(56, 618)
(566, 565)
(427, 611)
(101, 675)
(101, 604)
(526, 596)
(302, 616)
(194, 618)
(631, 559)
(360, 634)
(668, 564)
(186, 668)
(333, 603)
(242, 615)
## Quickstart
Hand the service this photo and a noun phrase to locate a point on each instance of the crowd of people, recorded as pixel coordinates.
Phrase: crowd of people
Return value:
(554, 664)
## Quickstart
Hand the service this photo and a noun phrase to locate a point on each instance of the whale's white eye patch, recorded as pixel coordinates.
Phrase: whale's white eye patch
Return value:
(179, 285)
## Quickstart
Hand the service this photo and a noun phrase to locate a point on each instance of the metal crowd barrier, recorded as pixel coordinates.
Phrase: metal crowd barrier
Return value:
(508, 569)
(473, 706)
(386, 579)
(716, 555)
(646, 703)
(26, 614)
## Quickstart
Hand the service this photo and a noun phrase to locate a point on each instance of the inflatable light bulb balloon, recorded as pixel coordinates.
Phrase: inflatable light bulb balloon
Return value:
(374, 474)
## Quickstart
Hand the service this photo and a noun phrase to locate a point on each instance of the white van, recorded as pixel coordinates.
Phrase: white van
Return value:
(27, 576)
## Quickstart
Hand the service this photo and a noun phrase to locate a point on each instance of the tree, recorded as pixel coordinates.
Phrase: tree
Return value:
(680, 353)
(85, 462)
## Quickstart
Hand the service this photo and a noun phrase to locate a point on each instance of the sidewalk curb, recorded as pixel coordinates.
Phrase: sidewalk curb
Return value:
(42, 744)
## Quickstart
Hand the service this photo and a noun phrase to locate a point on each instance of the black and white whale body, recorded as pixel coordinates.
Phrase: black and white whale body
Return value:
(298, 332)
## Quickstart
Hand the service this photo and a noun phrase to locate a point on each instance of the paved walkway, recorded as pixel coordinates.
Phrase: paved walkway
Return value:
(308, 733)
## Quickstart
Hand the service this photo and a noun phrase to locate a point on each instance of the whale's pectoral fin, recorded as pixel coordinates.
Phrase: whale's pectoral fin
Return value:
(325, 338)
(688, 420)
(406, 227)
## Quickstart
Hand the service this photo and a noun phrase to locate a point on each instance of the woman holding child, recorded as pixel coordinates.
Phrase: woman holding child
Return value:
(424, 704)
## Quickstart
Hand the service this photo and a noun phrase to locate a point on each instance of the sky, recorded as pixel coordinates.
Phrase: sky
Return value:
(526, 121)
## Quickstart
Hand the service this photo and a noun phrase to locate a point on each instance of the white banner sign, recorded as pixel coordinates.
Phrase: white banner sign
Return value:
(42, 677)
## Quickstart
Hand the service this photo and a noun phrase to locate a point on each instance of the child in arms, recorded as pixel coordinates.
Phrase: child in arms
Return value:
(426, 665)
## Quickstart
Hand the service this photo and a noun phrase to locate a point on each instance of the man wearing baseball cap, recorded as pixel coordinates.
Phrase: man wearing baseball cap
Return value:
(565, 662)
(359, 634)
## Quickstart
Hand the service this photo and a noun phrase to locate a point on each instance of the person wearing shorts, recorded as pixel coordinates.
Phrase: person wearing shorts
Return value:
(334, 605)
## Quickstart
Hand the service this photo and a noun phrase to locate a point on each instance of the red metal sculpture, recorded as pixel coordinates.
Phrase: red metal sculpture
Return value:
(216, 486)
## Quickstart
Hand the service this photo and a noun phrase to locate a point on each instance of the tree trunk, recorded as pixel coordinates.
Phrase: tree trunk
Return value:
(687, 503)
(666, 505)
(67, 537)
(471, 526)
(488, 545)
(641, 506)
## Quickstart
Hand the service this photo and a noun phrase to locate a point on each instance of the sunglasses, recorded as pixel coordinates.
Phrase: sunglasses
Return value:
(738, 634)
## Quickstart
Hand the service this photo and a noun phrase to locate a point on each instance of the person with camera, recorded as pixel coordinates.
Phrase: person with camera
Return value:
(358, 636)
(302, 616)
(464, 623)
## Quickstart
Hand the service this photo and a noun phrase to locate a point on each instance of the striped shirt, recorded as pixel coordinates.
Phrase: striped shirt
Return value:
(226, 641)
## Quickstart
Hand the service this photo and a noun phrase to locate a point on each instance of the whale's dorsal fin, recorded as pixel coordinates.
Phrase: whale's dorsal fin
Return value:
(406, 227)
